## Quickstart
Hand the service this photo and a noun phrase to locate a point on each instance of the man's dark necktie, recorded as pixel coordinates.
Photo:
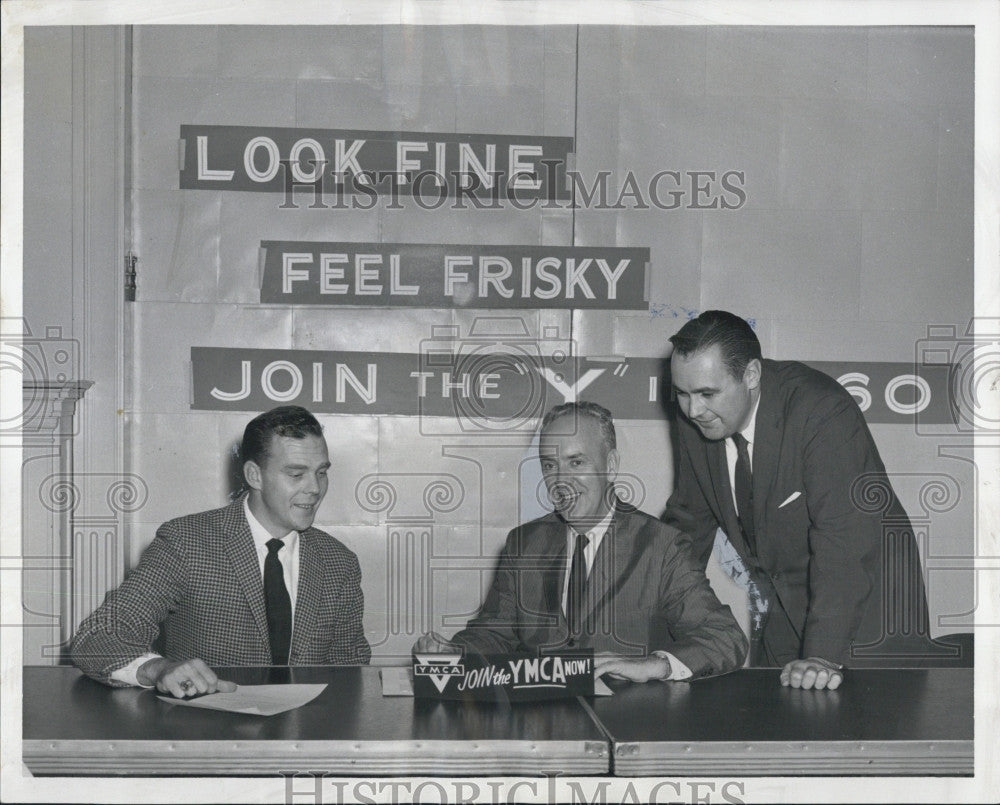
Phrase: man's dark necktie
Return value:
(577, 582)
(744, 492)
(278, 604)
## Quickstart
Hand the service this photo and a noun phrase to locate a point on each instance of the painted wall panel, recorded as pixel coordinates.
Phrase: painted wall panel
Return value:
(782, 62)
(163, 376)
(920, 65)
(182, 230)
(48, 130)
(929, 253)
(176, 50)
(784, 263)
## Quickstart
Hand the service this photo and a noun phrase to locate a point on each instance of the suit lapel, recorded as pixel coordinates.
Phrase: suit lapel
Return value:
(246, 568)
(766, 446)
(719, 470)
(309, 594)
(606, 561)
(615, 561)
(553, 552)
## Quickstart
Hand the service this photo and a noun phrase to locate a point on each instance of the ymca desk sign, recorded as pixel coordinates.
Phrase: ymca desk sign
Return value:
(517, 677)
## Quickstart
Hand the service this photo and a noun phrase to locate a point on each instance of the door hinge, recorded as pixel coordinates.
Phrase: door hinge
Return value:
(130, 261)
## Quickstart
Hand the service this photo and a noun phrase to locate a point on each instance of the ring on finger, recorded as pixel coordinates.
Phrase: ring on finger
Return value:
(187, 684)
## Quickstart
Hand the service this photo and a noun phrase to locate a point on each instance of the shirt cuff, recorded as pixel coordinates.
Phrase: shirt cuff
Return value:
(129, 673)
(678, 670)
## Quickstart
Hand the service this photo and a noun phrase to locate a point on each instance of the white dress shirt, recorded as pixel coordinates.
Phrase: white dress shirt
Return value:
(287, 555)
(595, 536)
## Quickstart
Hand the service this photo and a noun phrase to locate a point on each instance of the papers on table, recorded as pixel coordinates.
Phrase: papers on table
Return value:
(601, 688)
(255, 700)
(398, 681)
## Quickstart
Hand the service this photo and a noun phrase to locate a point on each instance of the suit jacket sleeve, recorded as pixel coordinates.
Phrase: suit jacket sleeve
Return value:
(706, 636)
(687, 509)
(348, 645)
(493, 630)
(845, 541)
(126, 624)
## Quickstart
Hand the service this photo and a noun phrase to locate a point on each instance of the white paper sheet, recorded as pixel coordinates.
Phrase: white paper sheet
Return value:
(255, 700)
(398, 681)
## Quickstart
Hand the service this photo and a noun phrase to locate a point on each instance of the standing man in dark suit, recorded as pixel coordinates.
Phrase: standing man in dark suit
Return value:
(599, 574)
(779, 457)
(252, 583)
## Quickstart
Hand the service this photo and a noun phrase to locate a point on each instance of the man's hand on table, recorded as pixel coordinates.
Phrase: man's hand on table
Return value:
(182, 678)
(812, 672)
(433, 643)
(634, 670)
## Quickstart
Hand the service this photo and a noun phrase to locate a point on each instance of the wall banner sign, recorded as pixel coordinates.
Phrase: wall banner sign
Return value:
(452, 275)
(497, 388)
(368, 164)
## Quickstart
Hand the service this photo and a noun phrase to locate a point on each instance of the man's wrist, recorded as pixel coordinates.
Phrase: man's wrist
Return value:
(831, 664)
(149, 672)
(128, 673)
(665, 676)
(662, 669)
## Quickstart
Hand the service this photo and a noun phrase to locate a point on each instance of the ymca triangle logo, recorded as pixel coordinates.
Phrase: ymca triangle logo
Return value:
(439, 667)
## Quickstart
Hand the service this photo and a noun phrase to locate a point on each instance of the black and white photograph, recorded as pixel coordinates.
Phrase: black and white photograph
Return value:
(500, 402)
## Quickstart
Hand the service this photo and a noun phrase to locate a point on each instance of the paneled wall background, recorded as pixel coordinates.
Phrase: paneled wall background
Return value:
(856, 146)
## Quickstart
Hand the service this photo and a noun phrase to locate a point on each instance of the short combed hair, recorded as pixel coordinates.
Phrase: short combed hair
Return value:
(577, 409)
(737, 341)
(285, 420)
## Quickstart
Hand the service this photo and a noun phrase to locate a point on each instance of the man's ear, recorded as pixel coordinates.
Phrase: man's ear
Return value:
(613, 461)
(751, 375)
(251, 471)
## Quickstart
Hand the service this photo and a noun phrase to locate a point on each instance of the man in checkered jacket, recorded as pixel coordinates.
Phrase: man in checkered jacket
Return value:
(252, 583)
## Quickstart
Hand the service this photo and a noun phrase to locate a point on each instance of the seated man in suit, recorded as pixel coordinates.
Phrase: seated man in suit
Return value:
(599, 574)
(252, 583)
(779, 457)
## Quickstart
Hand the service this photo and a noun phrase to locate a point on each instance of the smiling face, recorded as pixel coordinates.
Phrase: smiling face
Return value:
(578, 469)
(718, 403)
(286, 490)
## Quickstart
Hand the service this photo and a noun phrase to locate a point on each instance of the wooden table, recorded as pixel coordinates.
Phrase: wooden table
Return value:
(880, 722)
(75, 726)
